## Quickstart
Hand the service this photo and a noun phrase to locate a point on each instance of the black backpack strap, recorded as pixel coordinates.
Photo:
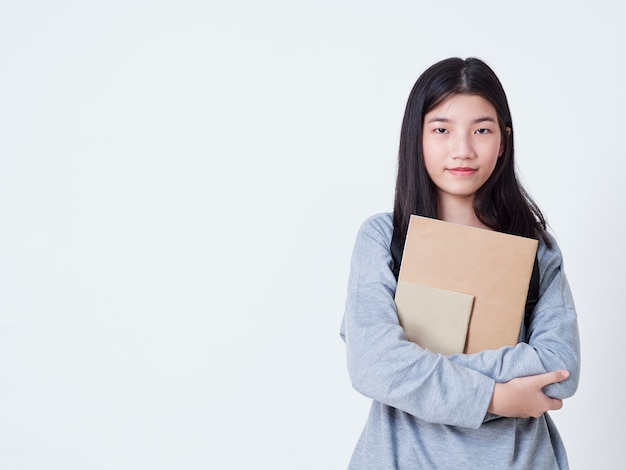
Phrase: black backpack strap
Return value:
(397, 248)
(533, 294)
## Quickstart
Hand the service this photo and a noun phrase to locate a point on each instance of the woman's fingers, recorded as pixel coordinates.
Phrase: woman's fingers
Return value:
(524, 398)
(556, 404)
(551, 377)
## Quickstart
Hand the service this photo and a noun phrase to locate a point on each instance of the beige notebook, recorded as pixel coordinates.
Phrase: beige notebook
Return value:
(436, 319)
(493, 267)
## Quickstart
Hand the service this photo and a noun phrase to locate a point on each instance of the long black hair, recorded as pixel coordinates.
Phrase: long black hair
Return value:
(501, 203)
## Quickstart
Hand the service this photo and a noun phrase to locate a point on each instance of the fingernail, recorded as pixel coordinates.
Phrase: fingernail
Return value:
(565, 374)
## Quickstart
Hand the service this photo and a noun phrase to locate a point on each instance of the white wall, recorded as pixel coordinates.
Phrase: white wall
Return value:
(180, 187)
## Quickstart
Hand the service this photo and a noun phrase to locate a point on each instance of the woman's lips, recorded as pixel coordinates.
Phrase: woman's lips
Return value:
(460, 171)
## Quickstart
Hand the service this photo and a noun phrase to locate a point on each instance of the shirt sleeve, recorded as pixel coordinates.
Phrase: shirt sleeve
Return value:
(383, 364)
(552, 340)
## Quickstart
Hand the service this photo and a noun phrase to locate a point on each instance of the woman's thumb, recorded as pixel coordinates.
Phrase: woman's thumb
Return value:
(554, 377)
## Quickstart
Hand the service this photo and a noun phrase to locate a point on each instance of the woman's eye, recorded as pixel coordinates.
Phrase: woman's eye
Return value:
(482, 131)
(440, 130)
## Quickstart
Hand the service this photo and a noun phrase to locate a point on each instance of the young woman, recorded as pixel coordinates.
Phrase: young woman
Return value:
(486, 410)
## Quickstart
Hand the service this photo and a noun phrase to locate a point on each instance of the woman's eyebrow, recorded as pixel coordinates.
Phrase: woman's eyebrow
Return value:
(475, 121)
(485, 118)
(438, 119)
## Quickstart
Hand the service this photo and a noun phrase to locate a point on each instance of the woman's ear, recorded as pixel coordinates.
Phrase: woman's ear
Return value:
(502, 144)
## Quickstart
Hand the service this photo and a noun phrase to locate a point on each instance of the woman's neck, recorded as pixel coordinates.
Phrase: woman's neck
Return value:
(459, 211)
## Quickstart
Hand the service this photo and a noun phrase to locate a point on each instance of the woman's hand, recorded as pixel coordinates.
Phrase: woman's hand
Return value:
(524, 398)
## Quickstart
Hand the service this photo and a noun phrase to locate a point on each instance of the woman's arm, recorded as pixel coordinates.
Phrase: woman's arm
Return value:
(383, 364)
(552, 337)
(456, 390)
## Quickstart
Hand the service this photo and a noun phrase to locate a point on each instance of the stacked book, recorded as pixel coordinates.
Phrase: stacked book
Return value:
(462, 289)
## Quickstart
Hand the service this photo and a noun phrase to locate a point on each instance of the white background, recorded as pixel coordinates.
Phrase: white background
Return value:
(180, 188)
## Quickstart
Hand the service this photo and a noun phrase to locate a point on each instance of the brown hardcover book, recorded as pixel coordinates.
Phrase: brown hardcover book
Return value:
(491, 267)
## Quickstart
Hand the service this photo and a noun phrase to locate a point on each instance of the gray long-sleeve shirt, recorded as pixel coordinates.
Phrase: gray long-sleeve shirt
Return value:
(430, 411)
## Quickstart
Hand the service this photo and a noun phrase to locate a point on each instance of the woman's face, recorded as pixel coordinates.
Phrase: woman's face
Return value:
(461, 142)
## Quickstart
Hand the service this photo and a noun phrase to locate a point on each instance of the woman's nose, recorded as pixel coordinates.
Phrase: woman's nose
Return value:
(462, 147)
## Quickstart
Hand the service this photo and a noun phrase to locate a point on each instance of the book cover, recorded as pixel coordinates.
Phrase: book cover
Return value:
(493, 267)
(436, 319)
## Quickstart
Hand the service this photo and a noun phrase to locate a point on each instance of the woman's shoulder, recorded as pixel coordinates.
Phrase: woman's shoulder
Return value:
(548, 248)
(550, 258)
(379, 226)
